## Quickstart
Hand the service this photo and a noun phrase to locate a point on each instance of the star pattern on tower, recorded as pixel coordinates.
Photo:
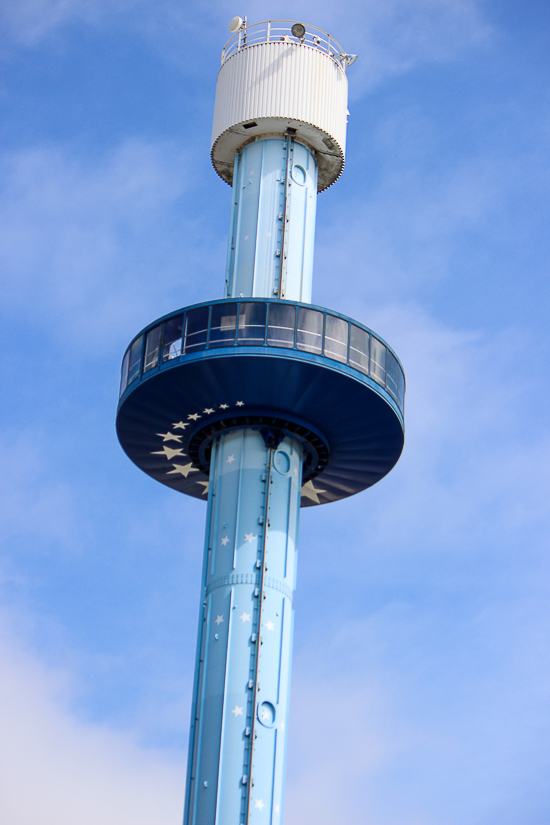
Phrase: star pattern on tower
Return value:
(169, 452)
(218, 620)
(309, 491)
(249, 537)
(183, 469)
(170, 436)
(245, 617)
(225, 541)
(237, 711)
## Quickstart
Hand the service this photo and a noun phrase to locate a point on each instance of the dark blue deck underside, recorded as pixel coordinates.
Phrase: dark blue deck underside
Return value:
(359, 421)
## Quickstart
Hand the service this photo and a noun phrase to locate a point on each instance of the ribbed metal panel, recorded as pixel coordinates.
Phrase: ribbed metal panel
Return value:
(275, 84)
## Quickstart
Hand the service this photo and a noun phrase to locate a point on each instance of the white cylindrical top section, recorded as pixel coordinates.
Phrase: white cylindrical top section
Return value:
(269, 86)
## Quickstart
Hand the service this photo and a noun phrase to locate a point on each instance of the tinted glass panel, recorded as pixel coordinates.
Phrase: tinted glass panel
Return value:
(378, 361)
(124, 372)
(309, 334)
(135, 359)
(281, 324)
(336, 338)
(196, 329)
(223, 323)
(359, 349)
(251, 324)
(152, 341)
(391, 374)
(171, 346)
(400, 389)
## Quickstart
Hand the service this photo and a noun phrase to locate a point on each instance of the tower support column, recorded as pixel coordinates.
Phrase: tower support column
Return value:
(239, 718)
(272, 228)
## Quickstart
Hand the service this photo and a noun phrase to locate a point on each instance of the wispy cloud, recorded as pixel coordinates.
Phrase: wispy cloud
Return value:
(57, 770)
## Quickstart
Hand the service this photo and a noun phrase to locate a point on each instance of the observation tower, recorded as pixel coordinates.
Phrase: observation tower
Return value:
(260, 403)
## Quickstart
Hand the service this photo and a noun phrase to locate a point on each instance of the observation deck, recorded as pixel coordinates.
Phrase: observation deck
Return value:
(278, 366)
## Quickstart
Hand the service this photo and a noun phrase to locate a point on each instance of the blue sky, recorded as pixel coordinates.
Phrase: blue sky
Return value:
(421, 674)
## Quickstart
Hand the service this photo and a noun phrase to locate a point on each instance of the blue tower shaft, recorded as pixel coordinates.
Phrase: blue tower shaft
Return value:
(237, 749)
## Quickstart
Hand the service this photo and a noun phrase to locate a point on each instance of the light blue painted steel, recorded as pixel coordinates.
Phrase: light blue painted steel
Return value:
(239, 721)
(272, 228)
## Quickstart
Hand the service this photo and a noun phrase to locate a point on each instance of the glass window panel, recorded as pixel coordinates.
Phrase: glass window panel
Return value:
(378, 361)
(391, 374)
(309, 334)
(400, 388)
(171, 344)
(196, 329)
(359, 349)
(336, 338)
(251, 324)
(135, 359)
(152, 341)
(124, 372)
(281, 325)
(223, 323)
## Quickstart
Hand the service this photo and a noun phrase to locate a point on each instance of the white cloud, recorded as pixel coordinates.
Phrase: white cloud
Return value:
(58, 770)
(87, 242)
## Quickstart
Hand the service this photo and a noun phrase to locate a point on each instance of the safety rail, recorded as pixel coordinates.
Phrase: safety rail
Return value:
(276, 31)
(257, 323)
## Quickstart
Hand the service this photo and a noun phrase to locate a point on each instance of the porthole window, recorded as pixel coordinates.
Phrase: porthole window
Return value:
(299, 175)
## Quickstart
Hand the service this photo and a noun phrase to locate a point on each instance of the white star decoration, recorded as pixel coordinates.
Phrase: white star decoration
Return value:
(269, 626)
(309, 491)
(170, 437)
(266, 714)
(225, 540)
(237, 711)
(205, 485)
(208, 411)
(168, 452)
(249, 537)
(240, 403)
(230, 459)
(224, 406)
(184, 469)
(180, 425)
(218, 620)
(260, 804)
(276, 809)
(245, 617)
(193, 416)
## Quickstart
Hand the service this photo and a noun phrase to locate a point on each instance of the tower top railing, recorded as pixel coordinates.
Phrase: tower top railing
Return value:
(277, 31)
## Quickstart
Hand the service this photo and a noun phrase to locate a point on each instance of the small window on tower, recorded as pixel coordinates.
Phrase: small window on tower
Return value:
(378, 361)
(251, 324)
(336, 338)
(152, 342)
(171, 347)
(309, 334)
(281, 325)
(135, 359)
(196, 329)
(223, 323)
(359, 349)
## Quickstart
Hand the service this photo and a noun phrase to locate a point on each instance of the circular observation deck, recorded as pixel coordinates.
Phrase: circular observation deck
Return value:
(272, 365)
